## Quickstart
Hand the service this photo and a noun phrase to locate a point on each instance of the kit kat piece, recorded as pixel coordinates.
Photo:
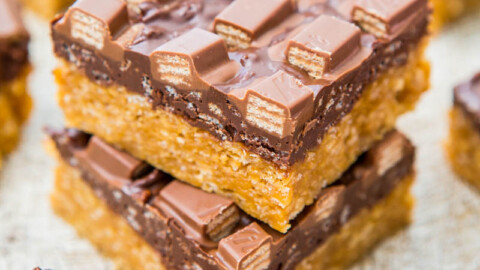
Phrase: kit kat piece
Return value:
(248, 124)
(323, 45)
(15, 103)
(384, 18)
(245, 20)
(169, 231)
(463, 146)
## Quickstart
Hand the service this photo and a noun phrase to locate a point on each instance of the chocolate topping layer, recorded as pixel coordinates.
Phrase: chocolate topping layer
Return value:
(174, 218)
(467, 97)
(254, 95)
(13, 40)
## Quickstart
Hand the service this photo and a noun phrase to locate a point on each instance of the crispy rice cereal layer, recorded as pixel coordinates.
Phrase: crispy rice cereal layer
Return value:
(463, 147)
(262, 189)
(15, 106)
(75, 201)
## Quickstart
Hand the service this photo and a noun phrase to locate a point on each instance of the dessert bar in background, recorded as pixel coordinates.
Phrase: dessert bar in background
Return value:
(446, 11)
(15, 103)
(144, 219)
(463, 146)
(47, 8)
(264, 102)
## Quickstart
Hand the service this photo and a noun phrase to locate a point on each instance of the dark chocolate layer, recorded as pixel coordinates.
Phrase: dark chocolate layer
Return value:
(177, 220)
(236, 96)
(13, 40)
(467, 98)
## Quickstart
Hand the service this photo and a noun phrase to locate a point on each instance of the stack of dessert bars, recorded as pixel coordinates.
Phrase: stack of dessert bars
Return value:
(15, 103)
(242, 134)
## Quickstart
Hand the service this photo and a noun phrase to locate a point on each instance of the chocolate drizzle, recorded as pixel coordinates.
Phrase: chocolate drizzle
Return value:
(178, 232)
(221, 105)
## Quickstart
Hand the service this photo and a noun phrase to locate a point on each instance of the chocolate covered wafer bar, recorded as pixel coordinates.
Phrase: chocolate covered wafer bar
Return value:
(463, 146)
(265, 103)
(155, 221)
(14, 68)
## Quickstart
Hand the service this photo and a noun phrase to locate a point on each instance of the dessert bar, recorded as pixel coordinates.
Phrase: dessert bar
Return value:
(15, 103)
(463, 145)
(263, 102)
(448, 10)
(144, 219)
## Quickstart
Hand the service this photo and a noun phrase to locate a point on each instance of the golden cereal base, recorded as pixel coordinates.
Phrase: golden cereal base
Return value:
(15, 106)
(47, 8)
(74, 201)
(463, 147)
(262, 189)
(445, 11)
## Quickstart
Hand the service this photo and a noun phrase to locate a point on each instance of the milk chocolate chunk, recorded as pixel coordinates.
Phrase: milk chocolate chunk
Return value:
(96, 24)
(385, 155)
(200, 214)
(188, 60)
(379, 17)
(248, 248)
(323, 45)
(244, 20)
(110, 163)
(328, 203)
(276, 104)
